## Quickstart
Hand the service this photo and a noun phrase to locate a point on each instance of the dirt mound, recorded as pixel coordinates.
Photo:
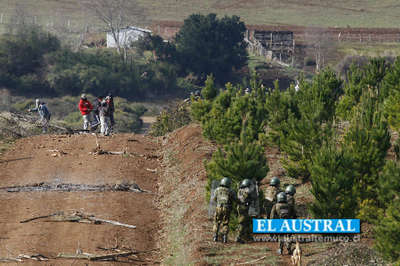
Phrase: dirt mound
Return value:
(186, 228)
(31, 162)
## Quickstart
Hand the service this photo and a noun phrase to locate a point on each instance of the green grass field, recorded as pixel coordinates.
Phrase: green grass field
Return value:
(340, 13)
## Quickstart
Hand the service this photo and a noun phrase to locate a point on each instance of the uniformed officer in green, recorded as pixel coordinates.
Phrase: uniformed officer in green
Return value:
(281, 210)
(290, 191)
(244, 220)
(224, 197)
(271, 193)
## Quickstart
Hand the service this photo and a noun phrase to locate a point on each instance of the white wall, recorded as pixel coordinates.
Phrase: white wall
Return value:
(126, 37)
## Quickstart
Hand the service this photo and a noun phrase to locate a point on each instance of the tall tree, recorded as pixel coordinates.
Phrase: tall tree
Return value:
(332, 183)
(116, 15)
(208, 45)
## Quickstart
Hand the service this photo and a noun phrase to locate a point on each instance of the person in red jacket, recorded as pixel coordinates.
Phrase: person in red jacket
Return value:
(86, 108)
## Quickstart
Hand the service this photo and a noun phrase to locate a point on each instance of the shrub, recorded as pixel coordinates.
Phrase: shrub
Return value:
(387, 233)
(171, 119)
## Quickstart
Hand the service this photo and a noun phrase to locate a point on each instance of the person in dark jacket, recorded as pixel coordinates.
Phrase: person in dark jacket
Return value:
(110, 101)
(97, 108)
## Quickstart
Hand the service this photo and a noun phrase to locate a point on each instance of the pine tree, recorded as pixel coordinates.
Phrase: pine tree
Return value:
(279, 104)
(391, 94)
(209, 91)
(240, 160)
(223, 123)
(389, 183)
(368, 140)
(387, 233)
(303, 135)
(332, 181)
(371, 76)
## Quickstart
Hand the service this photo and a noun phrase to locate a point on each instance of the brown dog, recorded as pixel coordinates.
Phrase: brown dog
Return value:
(296, 256)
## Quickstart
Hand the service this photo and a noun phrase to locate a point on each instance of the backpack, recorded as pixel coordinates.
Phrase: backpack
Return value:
(284, 212)
(222, 196)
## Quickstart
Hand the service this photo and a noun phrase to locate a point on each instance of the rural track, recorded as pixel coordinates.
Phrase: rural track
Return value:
(32, 163)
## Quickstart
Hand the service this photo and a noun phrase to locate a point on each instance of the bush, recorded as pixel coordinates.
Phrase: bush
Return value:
(389, 183)
(387, 233)
(171, 119)
(222, 118)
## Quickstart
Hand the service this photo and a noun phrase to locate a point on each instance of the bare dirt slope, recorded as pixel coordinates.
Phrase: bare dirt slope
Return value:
(34, 160)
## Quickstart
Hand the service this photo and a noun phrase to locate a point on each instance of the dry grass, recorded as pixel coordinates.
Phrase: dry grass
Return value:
(341, 13)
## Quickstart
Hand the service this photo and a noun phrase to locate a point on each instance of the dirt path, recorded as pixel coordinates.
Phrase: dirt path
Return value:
(34, 160)
(147, 122)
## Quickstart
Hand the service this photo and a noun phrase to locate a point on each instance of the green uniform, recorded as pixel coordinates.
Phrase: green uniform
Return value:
(292, 204)
(283, 211)
(224, 198)
(270, 198)
(244, 220)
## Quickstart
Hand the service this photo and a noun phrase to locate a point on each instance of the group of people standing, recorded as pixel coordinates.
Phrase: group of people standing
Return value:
(277, 205)
(102, 113)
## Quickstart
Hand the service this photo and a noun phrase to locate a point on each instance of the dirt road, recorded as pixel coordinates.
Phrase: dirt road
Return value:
(69, 160)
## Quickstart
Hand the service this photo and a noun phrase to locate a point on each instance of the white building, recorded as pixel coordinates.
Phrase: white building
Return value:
(126, 36)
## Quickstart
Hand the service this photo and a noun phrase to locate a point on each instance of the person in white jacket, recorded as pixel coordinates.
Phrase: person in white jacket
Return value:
(104, 114)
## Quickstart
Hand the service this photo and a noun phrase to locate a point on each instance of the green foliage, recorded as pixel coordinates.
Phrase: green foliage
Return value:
(171, 119)
(127, 115)
(161, 50)
(209, 91)
(332, 182)
(208, 45)
(222, 119)
(238, 161)
(24, 52)
(33, 62)
(303, 133)
(391, 87)
(368, 141)
(22, 56)
(389, 183)
(279, 105)
(371, 76)
(392, 109)
(22, 106)
(387, 233)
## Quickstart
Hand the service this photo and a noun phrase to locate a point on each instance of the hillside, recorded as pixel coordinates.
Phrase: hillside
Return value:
(324, 13)
(48, 174)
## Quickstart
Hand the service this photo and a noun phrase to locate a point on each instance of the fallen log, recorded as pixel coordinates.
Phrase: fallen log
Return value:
(94, 219)
(112, 256)
(40, 217)
(94, 257)
(78, 217)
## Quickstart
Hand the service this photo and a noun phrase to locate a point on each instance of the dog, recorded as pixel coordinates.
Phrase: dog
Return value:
(296, 256)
